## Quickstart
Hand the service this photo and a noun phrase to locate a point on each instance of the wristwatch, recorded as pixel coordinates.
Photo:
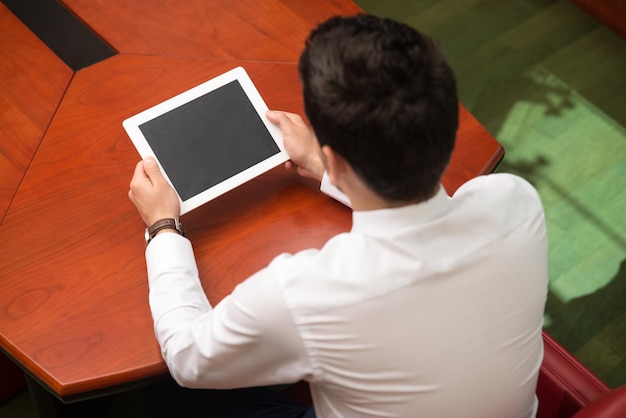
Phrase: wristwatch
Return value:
(167, 223)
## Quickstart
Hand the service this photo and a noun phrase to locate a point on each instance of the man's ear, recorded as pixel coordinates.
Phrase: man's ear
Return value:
(336, 165)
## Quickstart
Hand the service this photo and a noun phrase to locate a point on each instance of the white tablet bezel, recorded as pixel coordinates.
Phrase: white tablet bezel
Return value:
(131, 125)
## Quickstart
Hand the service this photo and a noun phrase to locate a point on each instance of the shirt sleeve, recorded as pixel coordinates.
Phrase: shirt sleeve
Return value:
(248, 339)
(327, 188)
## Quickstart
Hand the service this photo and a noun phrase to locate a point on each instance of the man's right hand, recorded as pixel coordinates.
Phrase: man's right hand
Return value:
(300, 144)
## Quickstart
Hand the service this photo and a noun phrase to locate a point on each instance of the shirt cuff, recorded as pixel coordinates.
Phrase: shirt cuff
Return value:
(327, 188)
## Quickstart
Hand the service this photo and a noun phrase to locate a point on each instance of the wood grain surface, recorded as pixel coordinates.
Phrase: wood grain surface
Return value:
(73, 291)
(73, 282)
(244, 29)
(32, 82)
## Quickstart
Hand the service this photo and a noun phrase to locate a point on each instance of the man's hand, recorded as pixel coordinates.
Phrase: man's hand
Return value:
(300, 144)
(153, 196)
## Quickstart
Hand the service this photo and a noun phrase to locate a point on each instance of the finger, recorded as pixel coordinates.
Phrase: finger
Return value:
(151, 170)
(131, 196)
(139, 176)
(281, 119)
(139, 171)
(274, 116)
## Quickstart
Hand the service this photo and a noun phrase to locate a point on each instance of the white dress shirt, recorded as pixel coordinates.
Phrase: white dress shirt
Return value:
(429, 310)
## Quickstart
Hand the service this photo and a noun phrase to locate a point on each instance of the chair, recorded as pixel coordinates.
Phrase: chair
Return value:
(609, 405)
(566, 388)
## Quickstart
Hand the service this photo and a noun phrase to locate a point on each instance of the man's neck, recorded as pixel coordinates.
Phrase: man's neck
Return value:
(362, 198)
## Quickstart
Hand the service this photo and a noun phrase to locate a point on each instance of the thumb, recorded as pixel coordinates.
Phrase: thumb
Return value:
(151, 168)
(277, 117)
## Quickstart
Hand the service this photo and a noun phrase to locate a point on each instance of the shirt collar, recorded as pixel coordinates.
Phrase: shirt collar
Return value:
(387, 222)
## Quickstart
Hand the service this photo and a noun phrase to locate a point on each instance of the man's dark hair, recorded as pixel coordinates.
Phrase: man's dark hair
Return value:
(383, 96)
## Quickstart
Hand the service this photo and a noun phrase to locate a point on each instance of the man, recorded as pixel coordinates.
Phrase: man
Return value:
(429, 306)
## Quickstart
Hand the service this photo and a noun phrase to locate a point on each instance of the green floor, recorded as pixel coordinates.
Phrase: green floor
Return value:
(549, 83)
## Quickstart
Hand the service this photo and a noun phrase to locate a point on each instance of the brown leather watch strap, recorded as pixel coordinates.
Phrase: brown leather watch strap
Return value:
(167, 223)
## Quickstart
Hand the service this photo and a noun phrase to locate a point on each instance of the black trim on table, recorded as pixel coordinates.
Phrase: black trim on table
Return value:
(64, 33)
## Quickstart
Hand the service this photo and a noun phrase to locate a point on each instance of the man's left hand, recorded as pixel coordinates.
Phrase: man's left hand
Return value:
(152, 195)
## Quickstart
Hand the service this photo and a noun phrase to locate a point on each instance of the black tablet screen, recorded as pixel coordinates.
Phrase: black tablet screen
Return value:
(209, 139)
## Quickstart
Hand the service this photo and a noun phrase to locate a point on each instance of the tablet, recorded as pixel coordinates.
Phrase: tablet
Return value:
(209, 139)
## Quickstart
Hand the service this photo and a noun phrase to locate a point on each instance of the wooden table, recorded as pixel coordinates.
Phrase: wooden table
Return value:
(73, 291)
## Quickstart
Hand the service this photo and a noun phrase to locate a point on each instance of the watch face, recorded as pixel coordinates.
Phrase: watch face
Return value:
(147, 236)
